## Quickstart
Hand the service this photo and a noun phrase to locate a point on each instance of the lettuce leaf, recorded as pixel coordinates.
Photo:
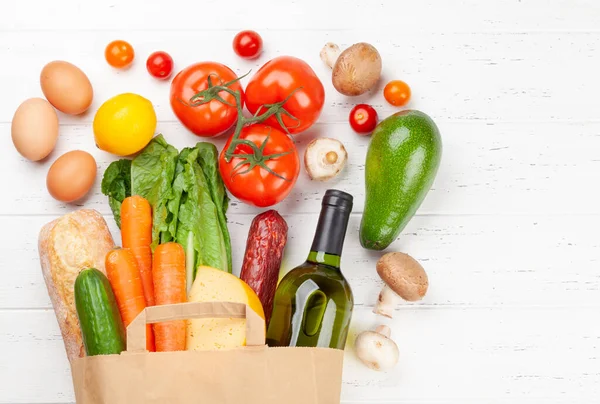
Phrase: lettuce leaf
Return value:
(208, 158)
(116, 184)
(152, 174)
(198, 228)
(188, 199)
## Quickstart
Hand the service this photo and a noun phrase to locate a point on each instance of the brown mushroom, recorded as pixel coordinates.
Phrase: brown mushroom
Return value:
(356, 70)
(404, 277)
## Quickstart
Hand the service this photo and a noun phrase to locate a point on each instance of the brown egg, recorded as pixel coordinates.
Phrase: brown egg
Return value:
(34, 129)
(66, 87)
(71, 176)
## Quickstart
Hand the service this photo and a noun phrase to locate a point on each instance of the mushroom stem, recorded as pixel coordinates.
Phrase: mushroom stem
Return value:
(384, 330)
(386, 303)
(330, 53)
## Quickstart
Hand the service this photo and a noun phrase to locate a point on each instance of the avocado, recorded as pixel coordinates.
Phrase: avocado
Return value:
(402, 161)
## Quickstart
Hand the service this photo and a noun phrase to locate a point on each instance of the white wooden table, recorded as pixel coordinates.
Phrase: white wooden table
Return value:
(508, 234)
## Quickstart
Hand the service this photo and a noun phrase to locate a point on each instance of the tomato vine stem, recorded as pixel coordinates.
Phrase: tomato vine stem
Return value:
(277, 110)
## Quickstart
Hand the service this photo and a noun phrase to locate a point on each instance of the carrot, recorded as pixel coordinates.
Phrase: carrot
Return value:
(168, 272)
(124, 277)
(136, 234)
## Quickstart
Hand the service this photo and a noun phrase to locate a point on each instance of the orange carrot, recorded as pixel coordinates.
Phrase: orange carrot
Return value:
(124, 277)
(136, 234)
(168, 272)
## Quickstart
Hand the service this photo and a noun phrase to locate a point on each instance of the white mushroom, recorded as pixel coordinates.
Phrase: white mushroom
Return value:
(356, 70)
(324, 158)
(376, 350)
(330, 53)
(404, 277)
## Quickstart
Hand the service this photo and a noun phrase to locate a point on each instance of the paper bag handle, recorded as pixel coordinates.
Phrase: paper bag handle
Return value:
(136, 331)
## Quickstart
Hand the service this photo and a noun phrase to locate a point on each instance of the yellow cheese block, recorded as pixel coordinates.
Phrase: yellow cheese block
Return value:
(214, 285)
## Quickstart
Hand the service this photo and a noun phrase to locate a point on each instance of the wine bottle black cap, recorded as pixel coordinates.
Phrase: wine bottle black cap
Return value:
(333, 222)
(335, 197)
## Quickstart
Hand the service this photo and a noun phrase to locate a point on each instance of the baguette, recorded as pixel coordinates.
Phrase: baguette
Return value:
(67, 245)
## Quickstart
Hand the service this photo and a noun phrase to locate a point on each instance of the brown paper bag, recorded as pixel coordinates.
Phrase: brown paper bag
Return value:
(254, 374)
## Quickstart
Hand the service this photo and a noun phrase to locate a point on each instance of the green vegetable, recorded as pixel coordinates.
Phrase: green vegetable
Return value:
(152, 174)
(208, 158)
(198, 227)
(101, 325)
(402, 162)
(187, 195)
(116, 184)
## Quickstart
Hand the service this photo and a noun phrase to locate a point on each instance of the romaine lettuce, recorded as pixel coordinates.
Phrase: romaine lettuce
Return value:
(188, 199)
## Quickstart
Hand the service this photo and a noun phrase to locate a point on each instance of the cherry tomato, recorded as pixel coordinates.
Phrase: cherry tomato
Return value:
(279, 78)
(258, 186)
(363, 118)
(213, 118)
(397, 93)
(160, 65)
(248, 44)
(119, 54)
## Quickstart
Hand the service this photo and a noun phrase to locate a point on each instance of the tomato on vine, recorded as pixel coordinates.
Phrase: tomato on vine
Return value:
(119, 54)
(219, 114)
(363, 118)
(397, 93)
(248, 44)
(160, 65)
(290, 78)
(265, 179)
(260, 164)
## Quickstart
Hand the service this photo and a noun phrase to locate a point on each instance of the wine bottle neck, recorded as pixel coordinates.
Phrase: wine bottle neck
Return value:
(320, 257)
(331, 228)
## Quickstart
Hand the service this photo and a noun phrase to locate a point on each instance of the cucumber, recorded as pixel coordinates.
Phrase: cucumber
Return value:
(101, 325)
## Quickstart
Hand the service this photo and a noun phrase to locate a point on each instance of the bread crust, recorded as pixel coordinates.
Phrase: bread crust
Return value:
(67, 245)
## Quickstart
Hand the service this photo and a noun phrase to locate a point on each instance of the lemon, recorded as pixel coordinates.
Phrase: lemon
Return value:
(124, 124)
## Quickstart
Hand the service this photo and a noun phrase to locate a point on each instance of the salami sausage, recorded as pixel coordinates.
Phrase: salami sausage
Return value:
(262, 260)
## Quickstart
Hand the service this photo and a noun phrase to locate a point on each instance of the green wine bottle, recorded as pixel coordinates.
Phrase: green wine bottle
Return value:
(313, 302)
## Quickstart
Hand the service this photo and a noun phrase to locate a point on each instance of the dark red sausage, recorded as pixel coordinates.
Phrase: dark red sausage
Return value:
(262, 260)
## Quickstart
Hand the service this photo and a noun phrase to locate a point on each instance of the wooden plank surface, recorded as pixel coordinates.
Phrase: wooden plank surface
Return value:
(452, 355)
(508, 233)
(498, 76)
(472, 261)
(486, 169)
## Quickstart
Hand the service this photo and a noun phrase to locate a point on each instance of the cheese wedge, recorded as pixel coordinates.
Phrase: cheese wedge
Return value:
(214, 285)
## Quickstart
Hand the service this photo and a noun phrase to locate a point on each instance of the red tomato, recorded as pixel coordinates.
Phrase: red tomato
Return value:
(213, 118)
(276, 80)
(258, 186)
(119, 54)
(160, 65)
(363, 118)
(248, 44)
(397, 93)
